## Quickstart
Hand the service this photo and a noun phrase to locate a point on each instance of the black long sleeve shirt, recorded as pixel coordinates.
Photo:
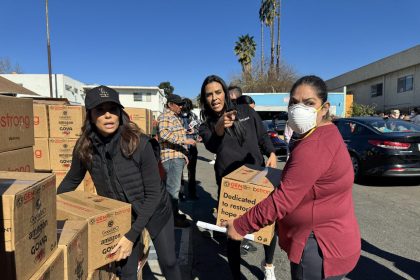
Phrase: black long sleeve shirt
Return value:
(230, 153)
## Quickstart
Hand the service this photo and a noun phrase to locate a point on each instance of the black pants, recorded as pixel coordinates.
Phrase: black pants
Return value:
(192, 165)
(310, 266)
(164, 244)
(234, 255)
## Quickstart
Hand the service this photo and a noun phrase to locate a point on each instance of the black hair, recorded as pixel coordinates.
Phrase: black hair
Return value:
(317, 84)
(206, 111)
(188, 105)
(210, 117)
(236, 89)
(245, 99)
(129, 141)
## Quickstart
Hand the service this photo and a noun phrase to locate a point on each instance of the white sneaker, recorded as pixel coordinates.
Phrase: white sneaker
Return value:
(212, 162)
(268, 271)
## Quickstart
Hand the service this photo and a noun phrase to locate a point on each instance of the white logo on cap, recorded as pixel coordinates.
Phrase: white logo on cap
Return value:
(103, 93)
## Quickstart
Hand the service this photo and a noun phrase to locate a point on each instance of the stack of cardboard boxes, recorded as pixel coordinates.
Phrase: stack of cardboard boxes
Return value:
(142, 117)
(16, 134)
(34, 246)
(28, 223)
(56, 129)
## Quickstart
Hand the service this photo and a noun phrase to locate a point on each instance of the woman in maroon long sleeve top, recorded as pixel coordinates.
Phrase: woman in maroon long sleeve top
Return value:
(313, 205)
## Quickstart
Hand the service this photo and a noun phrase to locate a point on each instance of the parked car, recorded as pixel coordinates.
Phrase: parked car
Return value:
(381, 147)
(279, 122)
(279, 144)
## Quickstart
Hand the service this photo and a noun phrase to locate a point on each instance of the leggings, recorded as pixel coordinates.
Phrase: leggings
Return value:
(234, 255)
(310, 266)
(164, 244)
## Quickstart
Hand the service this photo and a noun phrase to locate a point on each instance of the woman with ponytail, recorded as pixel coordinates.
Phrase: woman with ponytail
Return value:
(237, 136)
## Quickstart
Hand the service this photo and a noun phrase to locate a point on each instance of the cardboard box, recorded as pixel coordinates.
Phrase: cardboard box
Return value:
(28, 222)
(65, 121)
(16, 123)
(72, 238)
(59, 176)
(53, 268)
(61, 153)
(108, 220)
(20, 160)
(244, 188)
(40, 120)
(141, 117)
(42, 154)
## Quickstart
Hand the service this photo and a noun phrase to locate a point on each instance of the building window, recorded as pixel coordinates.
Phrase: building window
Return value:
(376, 90)
(405, 84)
(68, 87)
(148, 97)
(138, 96)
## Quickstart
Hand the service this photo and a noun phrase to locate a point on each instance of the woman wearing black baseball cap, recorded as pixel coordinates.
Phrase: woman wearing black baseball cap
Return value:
(123, 166)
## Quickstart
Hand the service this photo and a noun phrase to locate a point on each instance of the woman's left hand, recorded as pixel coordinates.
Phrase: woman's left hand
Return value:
(125, 247)
(231, 231)
(272, 161)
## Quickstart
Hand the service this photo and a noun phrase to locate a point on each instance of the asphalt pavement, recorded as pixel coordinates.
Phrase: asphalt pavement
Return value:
(388, 212)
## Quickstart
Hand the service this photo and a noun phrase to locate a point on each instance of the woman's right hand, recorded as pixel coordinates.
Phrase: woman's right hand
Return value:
(231, 231)
(225, 121)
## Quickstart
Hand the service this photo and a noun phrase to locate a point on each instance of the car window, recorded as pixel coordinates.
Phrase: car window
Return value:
(268, 125)
(344, 128)
(390, 125)
(360, 130)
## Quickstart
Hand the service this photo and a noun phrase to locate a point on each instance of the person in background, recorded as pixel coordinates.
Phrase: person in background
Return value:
(246, 99)
(288, 133)
(191, 124)
(234, 93)
(415, 116)
(315, 217)
(237, 136)
(394, 114)
(174, 154)
(123, 166)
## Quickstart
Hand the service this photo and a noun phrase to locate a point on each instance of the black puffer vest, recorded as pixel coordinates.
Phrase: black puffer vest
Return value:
(128, 176)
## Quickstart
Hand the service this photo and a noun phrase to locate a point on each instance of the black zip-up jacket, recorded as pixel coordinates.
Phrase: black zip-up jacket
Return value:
(134, 180)
(230, 154)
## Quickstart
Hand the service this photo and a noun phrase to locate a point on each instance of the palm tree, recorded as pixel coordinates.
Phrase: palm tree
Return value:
(262, 42)
(245, 51)
(268, 15)
(278, 39)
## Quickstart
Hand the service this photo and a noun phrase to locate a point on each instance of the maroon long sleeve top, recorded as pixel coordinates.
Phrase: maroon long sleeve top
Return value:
(315, 194)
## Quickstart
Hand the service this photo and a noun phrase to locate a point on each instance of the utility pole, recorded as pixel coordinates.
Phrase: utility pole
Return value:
(48, 49)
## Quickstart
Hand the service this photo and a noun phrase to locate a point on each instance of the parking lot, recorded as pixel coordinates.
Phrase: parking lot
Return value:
(388, 211)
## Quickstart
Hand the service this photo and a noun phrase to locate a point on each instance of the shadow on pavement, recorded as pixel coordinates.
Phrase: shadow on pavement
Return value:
(203, 159)
(390, 181)
(148, 274)
(370, 269)
(209, 249)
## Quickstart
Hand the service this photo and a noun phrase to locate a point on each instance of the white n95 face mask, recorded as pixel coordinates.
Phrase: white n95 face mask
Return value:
(302, 118)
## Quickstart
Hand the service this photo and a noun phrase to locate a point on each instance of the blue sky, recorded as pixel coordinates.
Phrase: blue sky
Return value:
(133, 42)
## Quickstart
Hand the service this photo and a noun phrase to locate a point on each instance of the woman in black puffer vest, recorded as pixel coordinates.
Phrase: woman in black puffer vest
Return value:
(123, 166)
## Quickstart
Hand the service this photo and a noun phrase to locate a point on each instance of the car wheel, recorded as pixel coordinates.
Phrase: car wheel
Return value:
(356, 167)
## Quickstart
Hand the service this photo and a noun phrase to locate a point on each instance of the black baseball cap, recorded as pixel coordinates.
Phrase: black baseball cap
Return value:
(174, 98)
(99, 95)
